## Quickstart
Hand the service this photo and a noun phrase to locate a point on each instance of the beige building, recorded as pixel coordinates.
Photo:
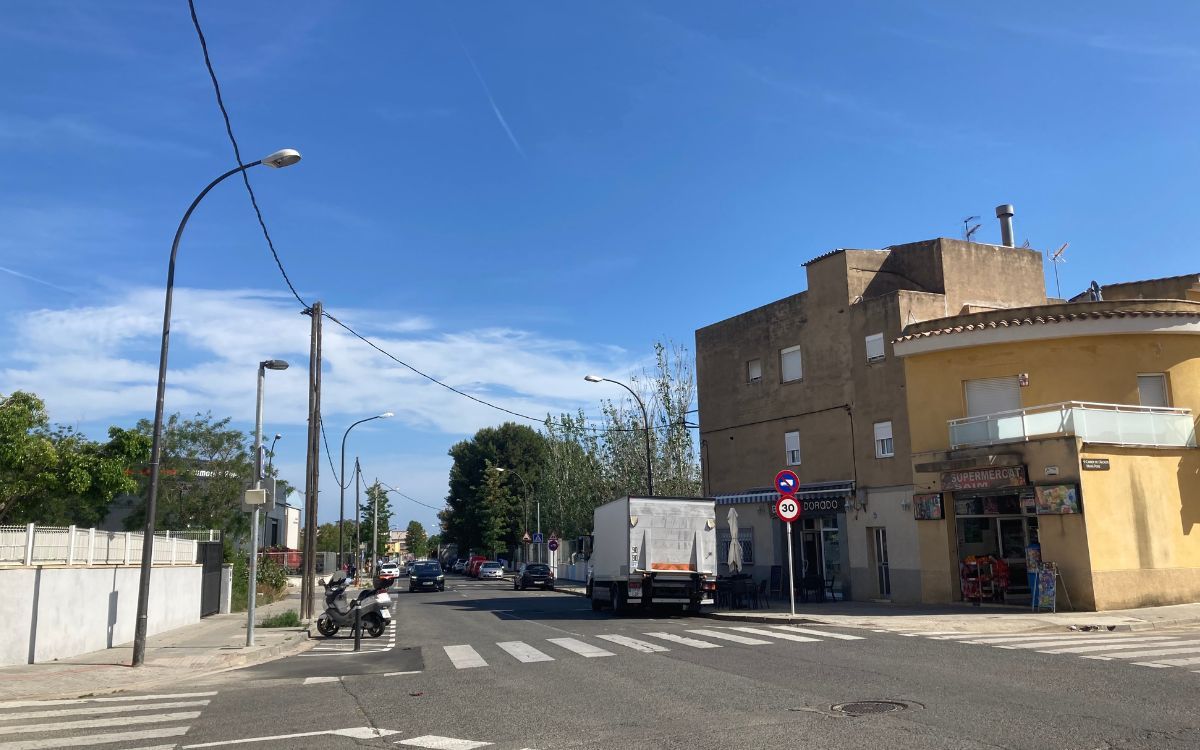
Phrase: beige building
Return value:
(810, 383)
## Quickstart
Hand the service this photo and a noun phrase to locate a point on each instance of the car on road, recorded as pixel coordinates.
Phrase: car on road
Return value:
(473, 565)
(491, 569)
(389, 569)
(534, 574)
(460, 565)
(426, 575)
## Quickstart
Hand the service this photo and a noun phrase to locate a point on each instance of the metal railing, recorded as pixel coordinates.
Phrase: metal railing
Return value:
(1110, 424)
(55, 545)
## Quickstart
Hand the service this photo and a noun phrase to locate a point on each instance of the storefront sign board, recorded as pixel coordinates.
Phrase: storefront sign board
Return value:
(1057, 499)
(1095, 464)
(984, 479)
(928, 507)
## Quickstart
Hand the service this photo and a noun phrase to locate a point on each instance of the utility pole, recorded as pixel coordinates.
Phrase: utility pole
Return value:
(312, 472)
(358, 556)
(375, 532)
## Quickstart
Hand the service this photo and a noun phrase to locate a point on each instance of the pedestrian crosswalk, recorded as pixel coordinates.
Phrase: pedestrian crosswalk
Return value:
(343, 644)
(1158, 649)
(466, 656)
(144, 722)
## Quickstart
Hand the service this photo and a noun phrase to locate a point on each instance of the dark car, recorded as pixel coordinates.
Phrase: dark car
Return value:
(534, 574)
(426, 576)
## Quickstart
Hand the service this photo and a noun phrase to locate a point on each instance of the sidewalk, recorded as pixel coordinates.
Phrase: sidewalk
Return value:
(214, 644)
(964, 618)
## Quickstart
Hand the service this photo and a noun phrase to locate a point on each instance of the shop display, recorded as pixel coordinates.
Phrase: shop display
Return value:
(1057, 499)
(983, 578)
(928, 507)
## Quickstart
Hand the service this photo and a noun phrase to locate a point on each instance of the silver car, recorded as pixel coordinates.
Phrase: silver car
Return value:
(491, 570)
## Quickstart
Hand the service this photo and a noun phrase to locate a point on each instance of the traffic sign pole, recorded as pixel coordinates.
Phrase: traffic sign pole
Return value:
(788, 510)
(791, 571)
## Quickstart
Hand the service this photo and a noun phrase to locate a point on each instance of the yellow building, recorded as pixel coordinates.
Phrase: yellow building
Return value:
(1070, 425)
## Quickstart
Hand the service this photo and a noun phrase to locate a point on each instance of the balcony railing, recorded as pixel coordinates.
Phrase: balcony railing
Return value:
(1111, 424)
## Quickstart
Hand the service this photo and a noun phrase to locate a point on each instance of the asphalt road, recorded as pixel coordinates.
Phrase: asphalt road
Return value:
(481, 663)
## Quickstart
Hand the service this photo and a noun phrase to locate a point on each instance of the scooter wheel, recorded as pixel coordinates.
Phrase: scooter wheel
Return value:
(326, 626)
(375, 625)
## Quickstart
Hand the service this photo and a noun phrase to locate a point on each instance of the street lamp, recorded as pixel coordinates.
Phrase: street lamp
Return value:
(520, 476)
(645, 420)
(268, 364)
(283, 158)
(343, 484)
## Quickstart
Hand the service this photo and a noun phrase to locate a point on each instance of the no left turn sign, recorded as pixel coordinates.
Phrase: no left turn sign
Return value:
(787, 508)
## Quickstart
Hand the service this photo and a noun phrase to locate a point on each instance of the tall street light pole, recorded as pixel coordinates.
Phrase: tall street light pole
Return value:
(259, 473)
(645, 421)
(343, 484)
(520, 476)
(284, 158)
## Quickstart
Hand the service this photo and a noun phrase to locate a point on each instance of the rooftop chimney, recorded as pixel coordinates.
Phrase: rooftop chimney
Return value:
(1004, 214)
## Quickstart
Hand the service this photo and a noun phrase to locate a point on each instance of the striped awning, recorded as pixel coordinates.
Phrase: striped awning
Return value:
(813, 491)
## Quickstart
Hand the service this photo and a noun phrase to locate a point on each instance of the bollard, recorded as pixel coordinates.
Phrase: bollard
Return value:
(357, 627)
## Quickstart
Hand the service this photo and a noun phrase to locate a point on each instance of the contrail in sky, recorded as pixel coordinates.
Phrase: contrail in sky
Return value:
(488, 92)
(34, 279)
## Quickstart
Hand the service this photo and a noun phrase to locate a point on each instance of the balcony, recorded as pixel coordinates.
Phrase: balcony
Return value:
(1110, 424)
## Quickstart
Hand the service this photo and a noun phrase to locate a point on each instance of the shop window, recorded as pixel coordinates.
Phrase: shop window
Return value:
(790, 364)
(883, 440)
(745, 537)
(1152, 390)
(875, 347)
(791, 447)
(754, 371)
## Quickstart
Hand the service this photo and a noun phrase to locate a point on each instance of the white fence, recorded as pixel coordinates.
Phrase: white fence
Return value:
(56, 545)
(1111, 424)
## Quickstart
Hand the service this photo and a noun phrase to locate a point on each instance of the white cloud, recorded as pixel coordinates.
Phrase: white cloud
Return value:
(99, 363)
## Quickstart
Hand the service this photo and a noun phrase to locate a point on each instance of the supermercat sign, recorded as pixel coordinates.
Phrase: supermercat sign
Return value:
(984, 479)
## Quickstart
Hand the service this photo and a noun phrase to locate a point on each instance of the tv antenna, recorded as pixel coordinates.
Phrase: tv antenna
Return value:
(1055, 259)
(968, 230)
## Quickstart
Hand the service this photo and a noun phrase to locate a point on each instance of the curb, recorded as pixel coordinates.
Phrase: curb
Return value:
(786, 618)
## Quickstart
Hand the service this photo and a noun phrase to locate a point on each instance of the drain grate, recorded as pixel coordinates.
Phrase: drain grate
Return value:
(864, 708)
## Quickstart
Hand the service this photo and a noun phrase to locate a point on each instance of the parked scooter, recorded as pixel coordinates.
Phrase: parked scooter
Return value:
(374, 614)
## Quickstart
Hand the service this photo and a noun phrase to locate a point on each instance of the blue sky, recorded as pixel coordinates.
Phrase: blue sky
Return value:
(512, 194)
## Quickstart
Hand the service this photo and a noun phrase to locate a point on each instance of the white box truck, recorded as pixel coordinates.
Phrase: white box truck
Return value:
(653, 550)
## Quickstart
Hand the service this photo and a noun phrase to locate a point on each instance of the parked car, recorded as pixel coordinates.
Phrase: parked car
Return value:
(491, 569)
(460, 565)
(426, 575)
(534, 574)
(473, 565)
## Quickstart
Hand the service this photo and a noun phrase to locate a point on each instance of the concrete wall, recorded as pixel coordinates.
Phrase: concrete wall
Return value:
(57, 612)
(885, 508)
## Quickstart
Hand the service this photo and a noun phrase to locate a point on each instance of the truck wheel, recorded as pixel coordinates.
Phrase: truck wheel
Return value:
(597, 605)
(693, 608)
(616, 599)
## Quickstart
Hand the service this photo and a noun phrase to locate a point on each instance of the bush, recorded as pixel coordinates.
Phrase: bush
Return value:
(288, 619)
(272, 583)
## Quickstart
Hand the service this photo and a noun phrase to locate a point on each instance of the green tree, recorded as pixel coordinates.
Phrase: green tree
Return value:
(327, 535)
(54, 475)
(417, 540)
(376, 493)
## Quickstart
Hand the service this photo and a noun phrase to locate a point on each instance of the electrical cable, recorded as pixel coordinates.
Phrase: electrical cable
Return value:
(406, 497)
(329, 455)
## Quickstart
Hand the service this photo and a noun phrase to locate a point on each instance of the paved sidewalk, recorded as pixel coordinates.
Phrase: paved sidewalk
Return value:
(965, 618)
(214, 644)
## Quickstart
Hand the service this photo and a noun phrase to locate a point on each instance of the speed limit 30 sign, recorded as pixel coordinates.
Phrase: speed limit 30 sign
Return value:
(787, 508)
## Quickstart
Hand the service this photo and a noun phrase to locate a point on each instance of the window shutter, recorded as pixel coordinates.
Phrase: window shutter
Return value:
(883, 430)
(992, 395)
(790, 364)
(1152, 390)
(754, 370)
(791, 445)
(875, 347)
(883, 440)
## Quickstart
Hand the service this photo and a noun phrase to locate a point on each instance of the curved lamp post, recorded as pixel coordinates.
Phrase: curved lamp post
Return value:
(283, 158)
(343, 484)
(520, 476)
(645, 421)
(266, 364)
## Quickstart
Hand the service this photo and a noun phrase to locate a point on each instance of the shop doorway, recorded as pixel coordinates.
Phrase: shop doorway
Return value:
(994, 532)
(879, 561)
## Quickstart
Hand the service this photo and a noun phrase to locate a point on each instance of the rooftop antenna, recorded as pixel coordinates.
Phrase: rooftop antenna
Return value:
(1055, 259)
(968, 230)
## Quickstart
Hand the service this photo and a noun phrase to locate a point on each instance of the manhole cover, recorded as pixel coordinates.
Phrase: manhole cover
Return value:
(863, 708)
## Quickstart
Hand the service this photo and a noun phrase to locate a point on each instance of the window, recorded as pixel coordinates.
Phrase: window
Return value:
(992, 395)
(875, 347)
(791, 446)
(790, 364)
(745, 536)
(754, 371)
(1152, 390)
(883, 440)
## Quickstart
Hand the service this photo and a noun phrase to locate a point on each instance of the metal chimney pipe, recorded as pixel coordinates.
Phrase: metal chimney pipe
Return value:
(1004, 214)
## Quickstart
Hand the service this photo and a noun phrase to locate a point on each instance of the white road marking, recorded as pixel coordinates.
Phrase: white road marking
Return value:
(319, 680)
(1124, 644)
(1155, 652)
(156, 747)
(637, 645)
(108, 699)
(523, 652)
(579, 647)
(1152, 664)
(464, 657)
(354, 733)
(693, 642)
(1179, 662)
(820, 633)
(98, 710)
(98, 723)
(93, 739)
(435, 742)
(396, 674)
(730, 637)
(778, 634)
(1064, 642)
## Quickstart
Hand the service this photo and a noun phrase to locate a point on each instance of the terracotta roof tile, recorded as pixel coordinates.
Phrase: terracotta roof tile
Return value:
(1053, 318)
